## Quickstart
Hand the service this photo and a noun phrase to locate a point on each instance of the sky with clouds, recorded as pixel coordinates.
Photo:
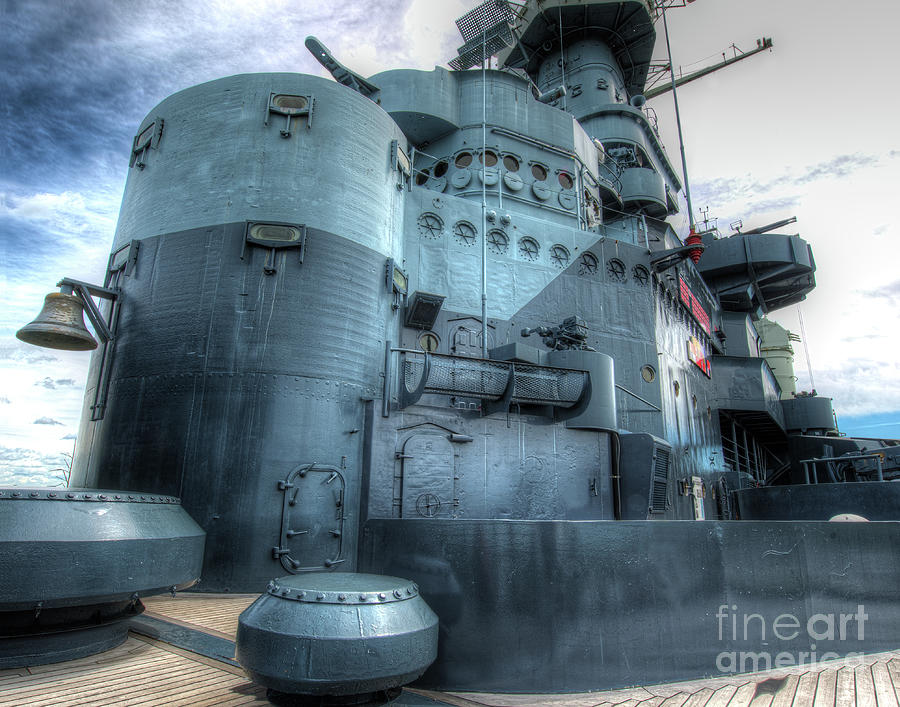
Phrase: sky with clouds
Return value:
(805, 130)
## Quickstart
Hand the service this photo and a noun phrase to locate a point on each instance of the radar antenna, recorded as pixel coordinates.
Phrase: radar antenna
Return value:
(485, 30)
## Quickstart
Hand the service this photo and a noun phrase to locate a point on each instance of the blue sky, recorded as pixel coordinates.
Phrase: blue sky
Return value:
(807, 130)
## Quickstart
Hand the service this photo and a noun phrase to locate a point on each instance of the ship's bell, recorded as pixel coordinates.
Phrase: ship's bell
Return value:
(60, 325)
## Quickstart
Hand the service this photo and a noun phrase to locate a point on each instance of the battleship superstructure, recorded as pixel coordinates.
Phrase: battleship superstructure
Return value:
(436, 325)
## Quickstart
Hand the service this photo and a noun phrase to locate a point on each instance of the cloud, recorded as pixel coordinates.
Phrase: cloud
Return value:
(46, 421)
(70, 436)
(29, 467)
(747, 196)
(889, 292)
(4, 400)
(51, 384)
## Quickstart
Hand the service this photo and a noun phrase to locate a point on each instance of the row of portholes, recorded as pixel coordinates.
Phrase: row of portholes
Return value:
(488, 158)
(431, 226)
(588, 264)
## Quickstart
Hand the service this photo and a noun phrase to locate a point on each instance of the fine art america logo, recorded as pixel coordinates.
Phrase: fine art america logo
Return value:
(771, 638)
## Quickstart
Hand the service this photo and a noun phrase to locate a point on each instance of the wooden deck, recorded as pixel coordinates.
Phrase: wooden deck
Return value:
(144, 671)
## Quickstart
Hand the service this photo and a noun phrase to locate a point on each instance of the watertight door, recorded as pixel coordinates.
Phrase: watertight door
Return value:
(428, 489)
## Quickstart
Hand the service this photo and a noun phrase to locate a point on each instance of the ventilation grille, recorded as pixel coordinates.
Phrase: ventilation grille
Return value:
(660, 484)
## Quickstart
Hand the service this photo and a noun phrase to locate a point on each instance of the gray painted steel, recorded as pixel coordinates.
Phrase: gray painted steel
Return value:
(823, 501)
(808, 413)
(581, 606)
(63, 551)
(337, 634)
(75, 562)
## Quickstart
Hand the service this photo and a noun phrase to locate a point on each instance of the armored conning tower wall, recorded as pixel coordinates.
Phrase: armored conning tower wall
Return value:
(238, 361)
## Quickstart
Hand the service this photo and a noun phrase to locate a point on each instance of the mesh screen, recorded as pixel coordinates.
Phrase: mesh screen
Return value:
(476, 50)
(487, 15)
(534, 383)
(478, 378)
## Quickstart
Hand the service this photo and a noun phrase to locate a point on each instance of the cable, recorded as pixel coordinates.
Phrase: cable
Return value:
(812, 382)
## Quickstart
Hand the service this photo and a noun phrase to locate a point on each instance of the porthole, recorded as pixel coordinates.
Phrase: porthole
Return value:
(677, 388)
(497, 241)
(588, 264)
(529, 248)
(440, 169)
(559, 256)
(421, 176)
(429, 341)
(616, 269)
(511, 163)
(565, 180)
(465, 233)
(641, 275)
(648, 373)
(430, 225)
(488, 158)
(463, 159)
(539, 172)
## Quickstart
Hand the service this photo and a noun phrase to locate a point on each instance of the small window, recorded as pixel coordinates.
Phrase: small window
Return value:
(529, 248)
(510, 163)
(677, 388)
(615, 268)
(565, 180)
(463, 159)
(282, 100)
(289, 106)
(271, 234)
(440, 169)
(144, 138)
(539, 172)
(559, 256)
(422, 176)
(588, 264)
(429, 342)
(488, 158)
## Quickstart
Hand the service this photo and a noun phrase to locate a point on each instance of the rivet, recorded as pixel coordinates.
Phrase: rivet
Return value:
(143, 498)
(409, 590)
(320, 596)
(33, 494)
(70, 495)
(51, 495)
(363, 597)
(398, 593)
(102, 497)
(382, 596)
(87, 495)
(16, 494)
(342, 597)
(131, 498)
(118, 497)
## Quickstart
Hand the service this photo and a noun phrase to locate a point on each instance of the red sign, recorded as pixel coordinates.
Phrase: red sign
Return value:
(690, 301)
(698, 355)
